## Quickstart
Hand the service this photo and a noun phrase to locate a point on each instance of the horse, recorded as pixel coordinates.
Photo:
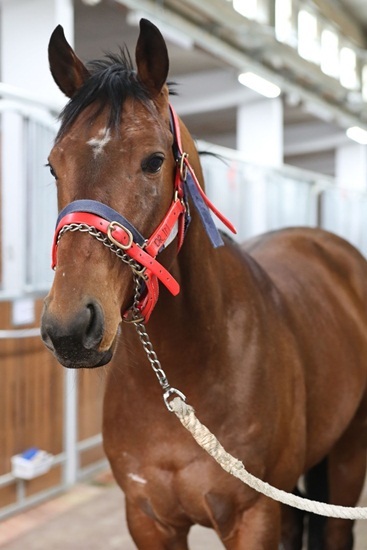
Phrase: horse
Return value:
(268, 340)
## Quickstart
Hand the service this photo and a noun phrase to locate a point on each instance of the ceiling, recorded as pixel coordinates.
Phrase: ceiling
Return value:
(103, 27)
(357, 9)
(206, 73)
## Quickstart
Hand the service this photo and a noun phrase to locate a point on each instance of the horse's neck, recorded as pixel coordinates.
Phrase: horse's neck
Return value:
(198, 266)
(191, 322)
(196, 262)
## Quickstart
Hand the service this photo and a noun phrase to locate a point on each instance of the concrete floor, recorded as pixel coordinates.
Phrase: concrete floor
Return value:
(91, 517)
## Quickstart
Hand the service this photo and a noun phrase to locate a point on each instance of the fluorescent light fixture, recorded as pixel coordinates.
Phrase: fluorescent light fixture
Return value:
(284, 21)
(330, 53)
(357, 134)
(247, 8)
(259, 84)
(348, 68)
(308, 45)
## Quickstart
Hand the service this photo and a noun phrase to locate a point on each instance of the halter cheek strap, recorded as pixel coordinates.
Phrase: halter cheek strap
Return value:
(127, 242)
(202, 203)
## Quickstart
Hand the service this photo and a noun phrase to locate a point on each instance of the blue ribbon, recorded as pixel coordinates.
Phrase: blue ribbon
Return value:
(204, 212)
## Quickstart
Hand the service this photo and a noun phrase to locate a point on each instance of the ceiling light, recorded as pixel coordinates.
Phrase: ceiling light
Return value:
(247, 8)
(330, 52)
(348, 68)
(259, 84)
(308, 40)
(357, 134)
(284, 28)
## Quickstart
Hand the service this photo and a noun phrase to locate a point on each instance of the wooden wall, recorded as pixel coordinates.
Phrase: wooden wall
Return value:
(32, 405)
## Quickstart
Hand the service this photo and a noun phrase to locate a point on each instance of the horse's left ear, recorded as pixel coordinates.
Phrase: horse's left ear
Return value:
(68, 71)
(151, 58)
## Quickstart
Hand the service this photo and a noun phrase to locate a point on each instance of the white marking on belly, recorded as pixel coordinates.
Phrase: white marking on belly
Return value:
(99, 143)
(137, 478)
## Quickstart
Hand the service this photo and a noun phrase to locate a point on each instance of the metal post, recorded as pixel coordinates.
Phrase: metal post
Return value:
(13, 206)
(70, 427)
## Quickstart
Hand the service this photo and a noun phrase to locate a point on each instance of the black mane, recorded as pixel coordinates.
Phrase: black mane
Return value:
(112, 81)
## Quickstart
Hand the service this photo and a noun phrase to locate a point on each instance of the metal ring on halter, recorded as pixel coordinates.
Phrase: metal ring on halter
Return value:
(140, 272)
(133, 320)
(183, 166)
(114, 241)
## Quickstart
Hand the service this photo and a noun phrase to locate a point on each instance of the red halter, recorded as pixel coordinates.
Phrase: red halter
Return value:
(121, 234)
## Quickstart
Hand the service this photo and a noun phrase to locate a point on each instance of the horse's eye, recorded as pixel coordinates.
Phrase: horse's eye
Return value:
(153, 164)
(52, 171)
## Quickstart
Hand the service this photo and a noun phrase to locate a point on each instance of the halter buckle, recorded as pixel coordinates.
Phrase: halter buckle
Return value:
(111, 228)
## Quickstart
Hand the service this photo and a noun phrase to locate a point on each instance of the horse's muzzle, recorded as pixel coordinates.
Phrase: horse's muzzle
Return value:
(75, 343)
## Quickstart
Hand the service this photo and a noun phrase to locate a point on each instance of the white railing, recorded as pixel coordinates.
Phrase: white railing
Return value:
(258, 199)
(28, 195)
(344, 212)
(255, 198)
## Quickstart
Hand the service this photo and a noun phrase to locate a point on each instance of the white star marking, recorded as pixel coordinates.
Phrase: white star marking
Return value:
(99, 143)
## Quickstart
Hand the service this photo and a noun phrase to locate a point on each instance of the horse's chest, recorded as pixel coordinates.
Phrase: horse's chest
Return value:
(196, 491)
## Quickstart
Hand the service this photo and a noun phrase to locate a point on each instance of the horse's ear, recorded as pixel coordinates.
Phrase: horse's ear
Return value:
(66, 68)
(151, 58)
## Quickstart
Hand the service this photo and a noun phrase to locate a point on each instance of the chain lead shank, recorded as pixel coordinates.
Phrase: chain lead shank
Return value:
(149, 350)
(136, 319)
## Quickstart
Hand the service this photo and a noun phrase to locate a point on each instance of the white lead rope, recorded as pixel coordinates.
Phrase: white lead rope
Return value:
(186, 414)
(211, 445)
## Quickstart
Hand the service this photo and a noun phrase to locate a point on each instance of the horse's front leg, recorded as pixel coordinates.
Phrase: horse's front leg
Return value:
(259, 527)
(148, 533)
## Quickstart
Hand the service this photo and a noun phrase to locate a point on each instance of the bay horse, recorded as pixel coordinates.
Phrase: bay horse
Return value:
(267, 340)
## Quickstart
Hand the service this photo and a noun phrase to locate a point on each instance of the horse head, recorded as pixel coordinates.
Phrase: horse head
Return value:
(114, 148)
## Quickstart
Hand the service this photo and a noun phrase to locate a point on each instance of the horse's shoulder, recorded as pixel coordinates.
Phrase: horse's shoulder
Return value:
(289, 237)
(306, 254)
(301, 242)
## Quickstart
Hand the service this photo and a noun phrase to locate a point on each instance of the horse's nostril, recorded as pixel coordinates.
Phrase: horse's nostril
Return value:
(94, 326)
(76, 342)
(46, 338)
(84, 332)
(90, 325)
